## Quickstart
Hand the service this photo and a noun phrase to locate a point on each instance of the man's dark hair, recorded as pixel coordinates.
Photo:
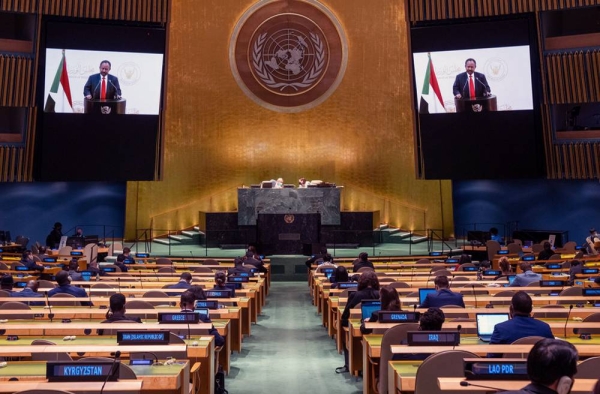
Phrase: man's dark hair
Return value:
(327, 258)
(551, 359)
(441, 281)
(120, 258)
(341, 274)
(117, 302)
(25, 254)
(126, 250)
(186, 276)
(547, 245)
(470, 60)
(432, 319)
(62, 278)
(197, 291)
(363, 256)
(493, 230)
(368, 279)
(521, 303)
(464, 258)
(105, 61)
(187, 299)
(249, 254)
(220, 278)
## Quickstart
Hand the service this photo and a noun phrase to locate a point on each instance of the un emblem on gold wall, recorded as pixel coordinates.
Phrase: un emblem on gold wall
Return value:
(288, 55)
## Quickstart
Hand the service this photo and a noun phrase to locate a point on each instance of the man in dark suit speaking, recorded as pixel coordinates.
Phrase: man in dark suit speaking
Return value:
(470, 84)
(102, 85)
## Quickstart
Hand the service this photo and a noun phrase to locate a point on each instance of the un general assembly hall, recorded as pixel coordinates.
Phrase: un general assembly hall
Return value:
(310, 196)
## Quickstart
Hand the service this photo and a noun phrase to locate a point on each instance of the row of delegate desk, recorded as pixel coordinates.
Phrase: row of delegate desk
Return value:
(365, 350)
(233, 320)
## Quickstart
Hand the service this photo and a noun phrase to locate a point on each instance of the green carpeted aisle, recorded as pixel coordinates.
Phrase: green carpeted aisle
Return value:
(289, 350)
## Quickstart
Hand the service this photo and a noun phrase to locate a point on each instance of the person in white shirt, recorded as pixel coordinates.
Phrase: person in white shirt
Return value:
(593, 238)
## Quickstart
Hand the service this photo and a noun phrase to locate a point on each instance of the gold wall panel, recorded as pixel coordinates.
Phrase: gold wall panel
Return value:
(216, 139)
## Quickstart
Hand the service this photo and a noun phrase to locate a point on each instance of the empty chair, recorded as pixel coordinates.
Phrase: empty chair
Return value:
(505, 293)
(4, 267)
(537, 248)
(400, 285)
(594, 317)
(570, 292)
(438, 268)
(448, 363)
(114, 267)
(210, 262)
(555, 257)
(139, 304)
(202, 270)
(4, 293)
(64, 299)
(562, 313)
(461, 279)
(570, 247)
(125, 371)
(14, 305)
(365, 269)
(588, 369)
(442, 273)
(475, 288)
(166, 270)
(492, 248)
(424, 261)
(163, 261)
(46, 284)
(156, 294)
(523, 341)
(514, 248)
(23, 241)
(566, 264)
(37, 259)
(48, 356)
(392, 336)
(387, 280)
(518, 242)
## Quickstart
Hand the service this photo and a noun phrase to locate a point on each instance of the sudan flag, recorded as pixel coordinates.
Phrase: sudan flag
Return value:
(57, 96)
(431, 96)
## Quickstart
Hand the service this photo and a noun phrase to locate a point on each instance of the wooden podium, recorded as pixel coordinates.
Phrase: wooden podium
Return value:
(105, 107)
(478, 104)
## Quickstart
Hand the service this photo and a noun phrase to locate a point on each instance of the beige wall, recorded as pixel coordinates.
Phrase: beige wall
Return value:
(217, 139)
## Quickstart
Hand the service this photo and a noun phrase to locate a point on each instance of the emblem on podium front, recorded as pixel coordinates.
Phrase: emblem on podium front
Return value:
(105, 110)
(288, 55)
(289, 219)
(477, 107)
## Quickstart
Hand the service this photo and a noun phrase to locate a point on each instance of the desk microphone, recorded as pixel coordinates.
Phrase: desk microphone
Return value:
(464, 383)
(119, 283)
(90, 298)
(485, 92)
(466, 82)
(141, 284)
(458, 328)
(116, 89)
(50, 315)
(567, 320)
(192, 254)
(474, 295)
(113, 370)
(156, 362)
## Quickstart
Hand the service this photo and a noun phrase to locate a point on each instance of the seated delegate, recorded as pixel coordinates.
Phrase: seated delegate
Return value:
(443, 295)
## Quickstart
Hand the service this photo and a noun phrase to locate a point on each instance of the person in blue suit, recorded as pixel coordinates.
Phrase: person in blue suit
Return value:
(93, 87)
(185, 282)
(461, 89)
(443, 296)
(65, 287)
(521, 324)
(527, 277)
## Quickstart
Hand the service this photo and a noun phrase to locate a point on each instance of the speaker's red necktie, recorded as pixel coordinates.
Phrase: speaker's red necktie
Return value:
(103, 89)
(471, 87)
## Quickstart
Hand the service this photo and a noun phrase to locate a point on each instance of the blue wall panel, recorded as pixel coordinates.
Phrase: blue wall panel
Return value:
(537, 204)
(30, 209)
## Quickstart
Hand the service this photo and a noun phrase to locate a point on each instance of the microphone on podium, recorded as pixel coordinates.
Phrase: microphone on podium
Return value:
(464, 383)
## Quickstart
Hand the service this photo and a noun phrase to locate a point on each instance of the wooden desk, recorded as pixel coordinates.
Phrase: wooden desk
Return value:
(580, 386)
(203, 352)
(124, 386)
(164, 379)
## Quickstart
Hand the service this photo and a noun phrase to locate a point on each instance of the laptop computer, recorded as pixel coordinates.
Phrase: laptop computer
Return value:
(423, 294)
(367, 307)
(486, 323)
